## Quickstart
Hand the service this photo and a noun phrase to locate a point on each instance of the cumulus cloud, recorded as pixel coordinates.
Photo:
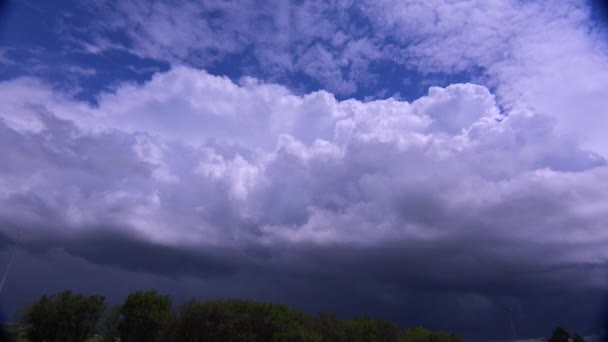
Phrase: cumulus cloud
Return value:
(550, 58)
(447, 193)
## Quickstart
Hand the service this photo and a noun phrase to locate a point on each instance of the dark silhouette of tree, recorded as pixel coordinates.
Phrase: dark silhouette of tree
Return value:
(366, 329)
(148, 316)
(419, 334)
(240, 320)
(145, 316)
(108, 326)
(331, 328)
(578, 338)
(560, 335)
(63, 317)
(416, 334)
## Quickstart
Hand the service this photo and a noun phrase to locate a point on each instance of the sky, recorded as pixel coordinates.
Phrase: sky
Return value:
(431, 162)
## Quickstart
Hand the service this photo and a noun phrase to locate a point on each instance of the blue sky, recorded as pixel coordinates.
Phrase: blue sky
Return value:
(423, 161)
(55, 49)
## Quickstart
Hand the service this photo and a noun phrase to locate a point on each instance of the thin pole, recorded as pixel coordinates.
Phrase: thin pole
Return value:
(513, 335)
(10, 260)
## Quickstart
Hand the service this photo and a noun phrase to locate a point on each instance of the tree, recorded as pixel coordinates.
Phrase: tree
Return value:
(148, 316)
(560, 335)
(109, 324)
(423, 335)
(444, 337)
(417, 334)
(578, 338)
(145, 316)
(365, 329)
(331, 328)
(63, 317)
(241, 320)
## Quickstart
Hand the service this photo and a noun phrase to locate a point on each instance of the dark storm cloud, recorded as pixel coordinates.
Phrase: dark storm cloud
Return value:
(116, 247)
(134, 254)
(474, 265)
(446, 286)
(463, 284)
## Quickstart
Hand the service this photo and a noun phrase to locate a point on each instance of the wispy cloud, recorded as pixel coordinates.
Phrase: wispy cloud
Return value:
(4, 59)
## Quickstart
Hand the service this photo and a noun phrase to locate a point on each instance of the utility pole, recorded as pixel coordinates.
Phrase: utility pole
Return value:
(513, 335)
(10, 260)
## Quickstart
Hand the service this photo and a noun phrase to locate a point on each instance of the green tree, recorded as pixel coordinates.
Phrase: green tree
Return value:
(240, 320)
(419, 334)
(331, 328)
(63, 317)
(145, 316)
(148, 316)
(108, 326)
(364, 329)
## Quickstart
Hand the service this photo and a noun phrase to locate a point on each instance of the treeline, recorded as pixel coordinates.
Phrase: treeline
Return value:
(149, 316)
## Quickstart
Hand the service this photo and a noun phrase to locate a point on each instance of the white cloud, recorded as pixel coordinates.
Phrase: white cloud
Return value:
(457, 107)
(282, 36)
(549, 58)
(192, 157)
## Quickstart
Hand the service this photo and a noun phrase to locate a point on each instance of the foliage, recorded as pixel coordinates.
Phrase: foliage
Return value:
(419, 334)
(332, 328)
(12, 332)
(241, 320)
(560, 335)
(145, 316)
(64, 317)
(373, 330)
(148, 316)
(108, 326)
